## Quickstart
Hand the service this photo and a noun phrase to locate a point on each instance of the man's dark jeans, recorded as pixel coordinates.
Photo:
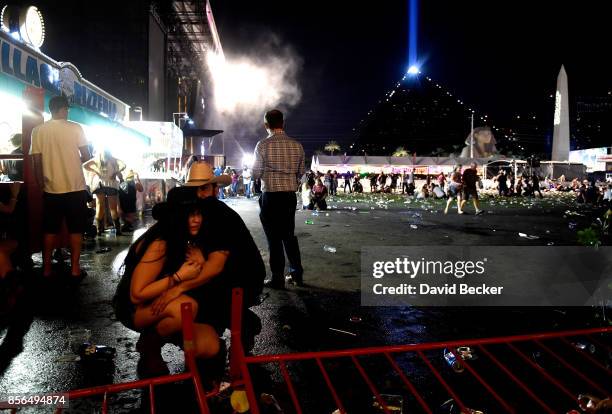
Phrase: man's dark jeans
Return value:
(277, 217)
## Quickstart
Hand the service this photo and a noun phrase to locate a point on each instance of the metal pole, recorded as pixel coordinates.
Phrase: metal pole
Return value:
(472, 137)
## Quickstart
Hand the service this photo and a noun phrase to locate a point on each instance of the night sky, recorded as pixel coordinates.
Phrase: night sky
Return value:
(500, 57)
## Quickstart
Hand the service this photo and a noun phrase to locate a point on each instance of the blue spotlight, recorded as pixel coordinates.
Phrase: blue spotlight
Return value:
(414, 70)
(413, 32)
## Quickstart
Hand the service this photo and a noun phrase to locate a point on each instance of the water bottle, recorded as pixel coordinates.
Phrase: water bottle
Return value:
(89, 351)
(330, 249)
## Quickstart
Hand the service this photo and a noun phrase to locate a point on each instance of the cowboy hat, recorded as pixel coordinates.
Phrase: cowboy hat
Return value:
(201, 173)
(130, 175)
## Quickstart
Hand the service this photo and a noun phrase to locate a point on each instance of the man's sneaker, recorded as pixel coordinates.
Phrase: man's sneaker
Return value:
(275, 284)
(294, 279)
(479, 212)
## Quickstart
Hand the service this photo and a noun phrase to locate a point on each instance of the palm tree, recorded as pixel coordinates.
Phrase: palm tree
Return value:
(332, 146)
(438, 152)
(400, 152)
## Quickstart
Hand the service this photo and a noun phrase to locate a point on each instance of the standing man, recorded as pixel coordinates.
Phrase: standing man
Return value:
(470, 180)
(246, 181)
(59, 149)
(502, 183)
(218, 172)
(279, 162)
(348, 176)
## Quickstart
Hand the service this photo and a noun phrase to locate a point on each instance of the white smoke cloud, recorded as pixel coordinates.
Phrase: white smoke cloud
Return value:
(246, 86)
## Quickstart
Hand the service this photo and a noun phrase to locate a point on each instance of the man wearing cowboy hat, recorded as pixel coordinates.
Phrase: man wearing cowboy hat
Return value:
(228, 254)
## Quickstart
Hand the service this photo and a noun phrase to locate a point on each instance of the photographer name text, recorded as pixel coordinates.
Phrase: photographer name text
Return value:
(447, 289)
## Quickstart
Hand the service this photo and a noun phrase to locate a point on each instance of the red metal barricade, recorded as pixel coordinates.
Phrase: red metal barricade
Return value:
(513, 344)
(191, 374)
(549, 344)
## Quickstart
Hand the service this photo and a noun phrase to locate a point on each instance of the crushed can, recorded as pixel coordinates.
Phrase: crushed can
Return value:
(585, 346)
(89, 351)
(452, 362)
(465, 353)
(394, 403)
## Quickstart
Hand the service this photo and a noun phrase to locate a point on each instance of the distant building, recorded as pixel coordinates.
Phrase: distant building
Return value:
(419, 115)
(149, 53)
(593, 125)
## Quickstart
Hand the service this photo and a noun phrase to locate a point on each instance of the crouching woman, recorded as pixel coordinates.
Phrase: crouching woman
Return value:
(155, 263)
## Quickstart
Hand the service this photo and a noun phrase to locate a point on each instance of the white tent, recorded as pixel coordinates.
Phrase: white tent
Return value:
(367, 164)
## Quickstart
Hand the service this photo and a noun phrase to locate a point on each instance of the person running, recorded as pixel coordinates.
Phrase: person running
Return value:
(470, 181)
(535, 182)
(454, 190)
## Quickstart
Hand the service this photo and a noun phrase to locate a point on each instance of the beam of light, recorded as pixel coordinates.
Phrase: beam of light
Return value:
(413, 31)
(248, 160)
(413, 70)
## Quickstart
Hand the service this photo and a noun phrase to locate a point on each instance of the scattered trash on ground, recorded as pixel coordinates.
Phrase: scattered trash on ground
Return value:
(270, 401)
(105, 249)
(89, 351)
(527, 236)
(414, 226)
(394, 403)
(465, 353)
(330, 249)
(309, 222)
(341, 331)
(585, 346)
(239, 401)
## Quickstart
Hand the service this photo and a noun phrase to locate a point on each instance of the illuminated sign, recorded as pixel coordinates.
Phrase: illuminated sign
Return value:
(32, 27)
(58, 78)
(592, 158)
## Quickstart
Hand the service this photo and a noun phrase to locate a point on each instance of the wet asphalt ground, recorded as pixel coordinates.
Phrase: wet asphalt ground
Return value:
(325, 314)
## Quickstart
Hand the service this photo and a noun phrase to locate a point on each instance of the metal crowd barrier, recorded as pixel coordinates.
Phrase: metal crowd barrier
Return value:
(591, 372)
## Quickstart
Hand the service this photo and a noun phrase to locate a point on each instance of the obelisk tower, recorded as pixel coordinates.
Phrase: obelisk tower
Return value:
(560, 147)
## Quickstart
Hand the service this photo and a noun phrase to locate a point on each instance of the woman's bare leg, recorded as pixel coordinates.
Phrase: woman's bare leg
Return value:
(169, 322)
